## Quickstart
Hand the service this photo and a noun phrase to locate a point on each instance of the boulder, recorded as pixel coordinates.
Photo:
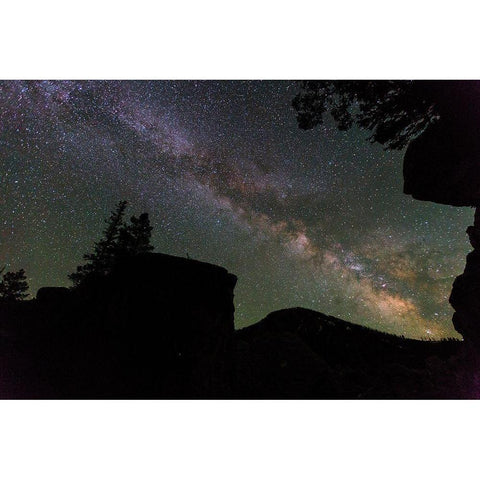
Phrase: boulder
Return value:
(53, 294)
(442, 165)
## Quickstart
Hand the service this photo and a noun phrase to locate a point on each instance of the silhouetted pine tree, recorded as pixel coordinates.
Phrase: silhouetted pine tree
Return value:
(119, 240)
(102, 259)
(13, 286)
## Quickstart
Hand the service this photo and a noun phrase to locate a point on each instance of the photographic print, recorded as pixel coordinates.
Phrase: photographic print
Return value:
(239, 239)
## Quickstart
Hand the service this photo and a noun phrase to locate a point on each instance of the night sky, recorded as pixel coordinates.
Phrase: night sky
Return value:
(314, 219)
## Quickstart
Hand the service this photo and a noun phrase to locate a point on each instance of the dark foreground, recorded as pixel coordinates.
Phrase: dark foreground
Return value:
(163, 327)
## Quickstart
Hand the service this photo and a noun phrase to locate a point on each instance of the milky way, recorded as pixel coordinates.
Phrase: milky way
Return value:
(314, 219)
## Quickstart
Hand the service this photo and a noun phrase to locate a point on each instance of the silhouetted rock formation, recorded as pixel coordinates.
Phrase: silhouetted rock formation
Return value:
(465, 296)
(443, 164)
(178, 315)
(53, 294)
(157, 327)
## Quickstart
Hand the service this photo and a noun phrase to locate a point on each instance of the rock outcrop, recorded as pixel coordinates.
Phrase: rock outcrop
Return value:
(178, 315)
(157, 327)
(442, 165)
(465, 296)
(53, 294)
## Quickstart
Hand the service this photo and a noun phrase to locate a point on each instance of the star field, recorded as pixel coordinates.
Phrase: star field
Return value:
(314, 219)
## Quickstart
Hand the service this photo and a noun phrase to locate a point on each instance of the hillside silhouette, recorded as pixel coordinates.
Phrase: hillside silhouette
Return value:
(300, 353)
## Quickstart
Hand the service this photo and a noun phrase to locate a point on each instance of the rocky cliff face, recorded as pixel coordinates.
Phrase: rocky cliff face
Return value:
(443, 165)
(465, 296)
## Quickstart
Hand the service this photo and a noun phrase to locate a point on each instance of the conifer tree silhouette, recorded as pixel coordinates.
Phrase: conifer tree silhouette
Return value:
(119, 240)
(13, 286)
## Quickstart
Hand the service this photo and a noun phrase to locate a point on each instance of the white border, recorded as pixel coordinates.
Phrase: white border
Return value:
(252, 39)
(247, 40)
